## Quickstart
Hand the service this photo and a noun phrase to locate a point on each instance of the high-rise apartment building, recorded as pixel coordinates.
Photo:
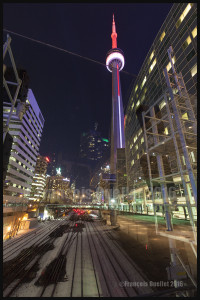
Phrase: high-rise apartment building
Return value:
(179, 30)
(26, 131)
(39, 178)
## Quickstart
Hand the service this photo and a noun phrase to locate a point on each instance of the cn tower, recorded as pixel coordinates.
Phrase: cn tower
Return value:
(115, 63)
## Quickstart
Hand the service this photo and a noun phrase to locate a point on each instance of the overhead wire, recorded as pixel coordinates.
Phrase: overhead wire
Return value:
(64, 50)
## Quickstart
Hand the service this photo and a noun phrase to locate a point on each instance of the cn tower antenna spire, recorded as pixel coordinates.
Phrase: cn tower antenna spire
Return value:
(114, 34)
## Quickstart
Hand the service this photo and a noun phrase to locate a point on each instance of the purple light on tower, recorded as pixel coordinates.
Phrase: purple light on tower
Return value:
(115, 62)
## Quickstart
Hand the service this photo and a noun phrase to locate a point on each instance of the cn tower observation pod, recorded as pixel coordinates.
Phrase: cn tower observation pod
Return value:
(113, 57)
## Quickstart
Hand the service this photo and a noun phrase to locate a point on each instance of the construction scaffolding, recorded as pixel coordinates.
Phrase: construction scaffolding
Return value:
(170, 132)
(6, 83)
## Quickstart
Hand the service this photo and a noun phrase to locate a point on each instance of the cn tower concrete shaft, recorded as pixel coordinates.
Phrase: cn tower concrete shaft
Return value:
(115, 63)
(117, 133)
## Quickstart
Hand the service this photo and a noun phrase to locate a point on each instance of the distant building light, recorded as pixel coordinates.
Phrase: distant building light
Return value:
(105, 140)
(66, 179)
(58, 171)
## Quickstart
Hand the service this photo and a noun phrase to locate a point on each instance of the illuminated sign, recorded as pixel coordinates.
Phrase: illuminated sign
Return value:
(47, 159)
(105, 140)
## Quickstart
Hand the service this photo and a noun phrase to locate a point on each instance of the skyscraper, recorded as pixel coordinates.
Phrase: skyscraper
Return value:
(39, 178)
(179, 30)
(93, 146)
(26, 133)
(115, 63)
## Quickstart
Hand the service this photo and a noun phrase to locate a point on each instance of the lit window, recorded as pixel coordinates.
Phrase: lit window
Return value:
(162, 104)
(151, 56)
(13, 158)
(136, 88)
(138, 156)
(142, 140)
(169, 64)
(143, 82)
(132, 162)
(194, 70)
(138, 103)
(192, 156)
(131, 146)
(187, 42)
(136, 147)
(183, 158)
(194, 32)
(152, 66)
(184, 14)
(135, 139)
(139, 132)
(185, 116)
(166, 131)
(162, 36)
(132, 105)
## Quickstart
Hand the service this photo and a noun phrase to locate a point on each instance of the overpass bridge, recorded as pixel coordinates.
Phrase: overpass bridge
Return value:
(81, 206)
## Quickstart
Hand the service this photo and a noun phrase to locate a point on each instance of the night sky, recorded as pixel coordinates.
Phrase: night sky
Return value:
(72, 92)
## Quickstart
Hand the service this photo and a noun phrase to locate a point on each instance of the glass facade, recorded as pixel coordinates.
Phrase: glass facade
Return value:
(179, 30)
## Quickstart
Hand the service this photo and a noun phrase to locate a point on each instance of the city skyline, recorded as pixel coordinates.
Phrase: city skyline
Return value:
(86, 96)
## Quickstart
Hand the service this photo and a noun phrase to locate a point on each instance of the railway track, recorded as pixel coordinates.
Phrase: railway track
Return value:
(53, 277)
(21, 268)
(89, 263)
(124, 267)
(19, 244)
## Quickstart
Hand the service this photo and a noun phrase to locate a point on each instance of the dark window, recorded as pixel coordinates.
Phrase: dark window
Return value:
(191, 19)
(190, 55)
(176, 11)
(182, 32)
(164, 60)
(164, 45)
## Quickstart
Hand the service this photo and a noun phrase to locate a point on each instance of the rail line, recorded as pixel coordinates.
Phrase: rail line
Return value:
(64, 249)
(25, 265)
(8, 243)
(119, 273)
(8, 253)
(92, 257)
(125, 263)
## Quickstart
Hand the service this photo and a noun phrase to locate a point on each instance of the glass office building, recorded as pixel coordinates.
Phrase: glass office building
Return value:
(179, 30)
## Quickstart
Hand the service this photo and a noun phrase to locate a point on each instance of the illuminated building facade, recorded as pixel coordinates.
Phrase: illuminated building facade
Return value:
(39, 179)
(58, 189)
(179, 30)
(115, 63)
(26, 131)
(93, 146)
